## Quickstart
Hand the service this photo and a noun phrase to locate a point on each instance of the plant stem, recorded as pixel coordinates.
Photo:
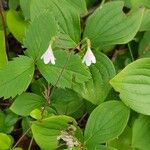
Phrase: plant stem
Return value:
(65, 65)
(31, 141)
(103, 1)
(131, 54)
(21, 138)
(50, 91)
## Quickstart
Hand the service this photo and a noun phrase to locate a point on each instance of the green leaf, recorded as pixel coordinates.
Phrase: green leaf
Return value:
(144, 46)
(145, 25)
(66, 16)
(46, 131)
(133, 83)
(17, 72)
(26, 124)
(73, 70)
(13, 4)
(5, 141)
(106, 122)
(123, 142)
(27, 102)
(139, 3)
(36, 114)
(109, 25)
(97, 89)
(141, 134)
(79, 5)
(7, 120)
(38, 86)
(38, 35)
(67, 102)
(3, 55)
(101, 147)
(25, 6)
(2, 121)
(127, 3)
(16, 24)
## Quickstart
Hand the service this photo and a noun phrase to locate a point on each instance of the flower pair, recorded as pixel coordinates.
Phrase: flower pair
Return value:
(88, 58)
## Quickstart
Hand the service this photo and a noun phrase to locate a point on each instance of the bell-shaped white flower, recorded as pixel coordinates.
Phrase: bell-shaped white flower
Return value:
(48, 56)
(89, 57)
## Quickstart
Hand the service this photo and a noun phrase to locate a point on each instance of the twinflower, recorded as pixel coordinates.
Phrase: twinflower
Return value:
(48, 55)
(89, 57)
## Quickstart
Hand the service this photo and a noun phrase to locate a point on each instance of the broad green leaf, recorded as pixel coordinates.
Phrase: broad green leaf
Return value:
(5, 141)
(16, 76)
(101, 147)
(105, 123)
(27, 102)
(109, 25)
(139, 3)
(67, 102)
(38, 86)
(25, 6)
(145, 25)
(39, 113)
(7, 121)
(26, 124)
(13, 4)
(16, 24)
(2, 121)
(36, 114)
(97, 89)
(66, 16)
(3, 55)
(141, 134)
(46, 131)
(144, 46)
(79, 5)
(127, 3)
(73, 70)
(123, 142)
(133, 84)
(41, 30)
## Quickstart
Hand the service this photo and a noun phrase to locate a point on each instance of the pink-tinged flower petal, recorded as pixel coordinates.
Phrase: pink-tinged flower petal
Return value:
(48, 56)
(89, 57)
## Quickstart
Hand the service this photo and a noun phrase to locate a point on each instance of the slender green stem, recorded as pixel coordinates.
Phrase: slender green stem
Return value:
(103, 1)
(130, 50)
(65, 65)
(31, 141)
(50, 91)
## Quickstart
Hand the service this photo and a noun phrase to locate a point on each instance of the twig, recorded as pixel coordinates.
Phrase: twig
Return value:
(82, 118)
(21, 137)
(31, 141)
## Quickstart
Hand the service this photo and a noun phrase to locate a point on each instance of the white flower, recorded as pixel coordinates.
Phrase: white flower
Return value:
(48, 56)
(89, 57)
